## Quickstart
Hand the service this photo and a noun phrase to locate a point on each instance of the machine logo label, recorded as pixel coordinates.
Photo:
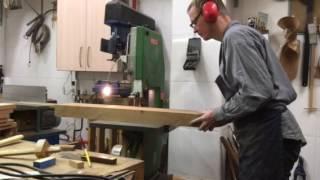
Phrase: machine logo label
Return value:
(154, 41)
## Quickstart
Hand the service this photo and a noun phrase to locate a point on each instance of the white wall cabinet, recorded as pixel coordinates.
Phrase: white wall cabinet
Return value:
(80, 29)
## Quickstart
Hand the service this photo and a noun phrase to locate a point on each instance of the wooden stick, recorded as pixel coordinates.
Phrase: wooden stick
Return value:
(11, 140)
(101, 158)
(13, 152)
(313, 43)
(311, 85)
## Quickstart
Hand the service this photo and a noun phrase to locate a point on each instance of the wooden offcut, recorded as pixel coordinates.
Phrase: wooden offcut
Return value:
(7, 126)
(76, 164)
(101, 158)
(129, 114)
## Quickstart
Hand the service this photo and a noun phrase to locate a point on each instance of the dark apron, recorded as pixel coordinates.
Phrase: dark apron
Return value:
(261, 144)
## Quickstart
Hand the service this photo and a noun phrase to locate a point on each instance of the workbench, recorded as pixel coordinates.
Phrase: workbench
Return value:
(62, 164)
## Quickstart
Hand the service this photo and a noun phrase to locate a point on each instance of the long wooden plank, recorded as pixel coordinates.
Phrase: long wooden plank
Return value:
(34, 104)
(7, 106)
(131, 114)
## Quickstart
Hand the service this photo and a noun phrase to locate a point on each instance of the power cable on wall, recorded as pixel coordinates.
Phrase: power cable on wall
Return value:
(39, 32)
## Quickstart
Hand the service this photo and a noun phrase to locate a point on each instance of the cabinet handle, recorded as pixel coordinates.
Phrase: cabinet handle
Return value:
(88, 57)
(80, 53)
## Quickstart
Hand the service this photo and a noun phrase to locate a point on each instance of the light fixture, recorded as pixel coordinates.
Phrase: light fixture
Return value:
(107, 90)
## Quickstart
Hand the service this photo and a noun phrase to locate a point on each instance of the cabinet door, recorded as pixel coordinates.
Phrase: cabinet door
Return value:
(71, 35)
(97, 60)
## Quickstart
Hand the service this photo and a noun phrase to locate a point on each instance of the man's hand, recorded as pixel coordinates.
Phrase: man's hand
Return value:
(205, 122)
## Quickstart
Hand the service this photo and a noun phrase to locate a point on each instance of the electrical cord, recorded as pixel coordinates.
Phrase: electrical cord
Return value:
(39, 31)
(120, 175)
(12, 169)
(4, 166)
(78, 178)
(44, 174)
(17, 171)
(25, 166)
(60, 176)
(77, 130)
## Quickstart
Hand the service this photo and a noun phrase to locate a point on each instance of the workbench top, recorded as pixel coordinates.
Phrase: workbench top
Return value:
(62, 164)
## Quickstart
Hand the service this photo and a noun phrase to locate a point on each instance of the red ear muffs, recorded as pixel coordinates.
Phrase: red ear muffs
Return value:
(210, 11)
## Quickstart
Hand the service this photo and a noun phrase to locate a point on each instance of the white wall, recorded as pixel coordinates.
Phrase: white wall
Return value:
(193, 153)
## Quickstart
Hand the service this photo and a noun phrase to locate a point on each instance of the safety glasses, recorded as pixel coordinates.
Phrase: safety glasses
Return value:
(195, 21)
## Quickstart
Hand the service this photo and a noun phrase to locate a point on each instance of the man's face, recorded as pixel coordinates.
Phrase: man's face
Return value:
(198, 24)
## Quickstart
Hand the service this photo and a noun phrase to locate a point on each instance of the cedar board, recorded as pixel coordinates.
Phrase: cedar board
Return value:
(7, 106)
(129, 114)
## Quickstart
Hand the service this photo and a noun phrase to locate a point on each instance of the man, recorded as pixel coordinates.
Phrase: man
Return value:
(256, 92)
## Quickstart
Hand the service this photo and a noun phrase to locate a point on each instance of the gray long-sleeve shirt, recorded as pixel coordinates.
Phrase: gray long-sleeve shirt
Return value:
(251, 77)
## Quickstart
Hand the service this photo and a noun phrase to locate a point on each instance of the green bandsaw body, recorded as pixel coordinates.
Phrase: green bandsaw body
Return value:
(146, 60)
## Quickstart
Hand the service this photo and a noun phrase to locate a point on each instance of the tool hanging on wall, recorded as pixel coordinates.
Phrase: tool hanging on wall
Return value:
(1, 11)
(12, 4)
(39, 31)
(259, 22)
(289, 54)
(193, 54)
(317, 70)
(306, 48)
(312, 30)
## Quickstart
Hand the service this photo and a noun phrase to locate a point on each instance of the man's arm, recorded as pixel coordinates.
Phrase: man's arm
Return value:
(207, 122)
